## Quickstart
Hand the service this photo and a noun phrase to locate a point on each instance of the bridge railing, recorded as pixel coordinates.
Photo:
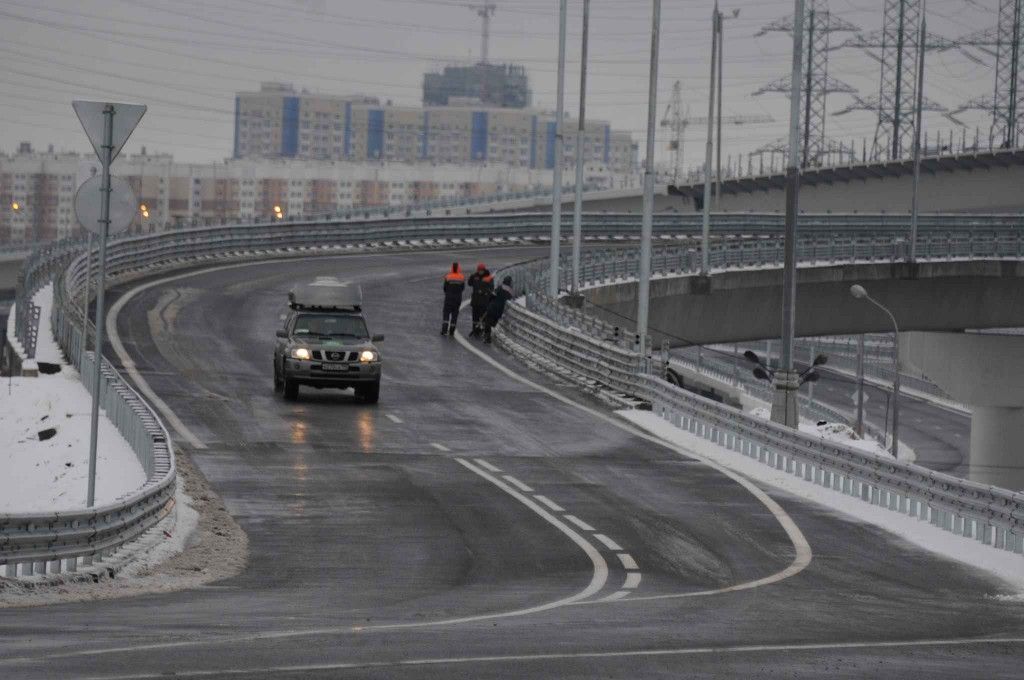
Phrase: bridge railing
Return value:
(560, 338)
(598, 350)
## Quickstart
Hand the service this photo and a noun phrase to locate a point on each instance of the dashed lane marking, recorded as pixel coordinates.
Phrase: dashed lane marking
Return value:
(632, 580)
(439, 447)
(580, 523)
(516, 483)
(627, 561)
(801, 548)
(393, 418)
(548, 502)
(608, 543)
(487, 466)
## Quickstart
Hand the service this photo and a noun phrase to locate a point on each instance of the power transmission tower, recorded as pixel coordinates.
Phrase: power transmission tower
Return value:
(485, 12)
(819, 25)
(894, 47)
(676, 119)
(1003, 43)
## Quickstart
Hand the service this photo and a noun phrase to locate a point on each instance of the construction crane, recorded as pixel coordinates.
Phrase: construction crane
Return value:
(677, 120)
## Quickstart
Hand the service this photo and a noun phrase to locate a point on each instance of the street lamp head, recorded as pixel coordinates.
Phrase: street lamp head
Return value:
(761, 374)
(820, 360)
(751, 357)
(858, 291)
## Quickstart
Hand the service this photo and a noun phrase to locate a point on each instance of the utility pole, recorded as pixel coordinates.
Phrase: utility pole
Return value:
(556, 171)
(915, 197)
(705, 255)
(860, 386)
(787, 381)
(577, 216)
(646, 224)
(718, 124)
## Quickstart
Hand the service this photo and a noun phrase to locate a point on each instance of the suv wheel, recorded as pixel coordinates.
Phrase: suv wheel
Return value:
(291, 390)
(369, 393)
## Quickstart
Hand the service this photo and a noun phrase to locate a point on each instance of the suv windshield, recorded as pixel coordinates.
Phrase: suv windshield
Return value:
(331, 325)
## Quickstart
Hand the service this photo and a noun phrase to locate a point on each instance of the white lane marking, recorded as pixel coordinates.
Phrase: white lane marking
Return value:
(558, 656)
(548, 502)
(627, 561)
(439, 447)
(129, 366)
(632, 580)
(580, 523)
(608, 543)
(516, 483)
(487, 466)
(393, 418)
(616, 596)
(801, 547)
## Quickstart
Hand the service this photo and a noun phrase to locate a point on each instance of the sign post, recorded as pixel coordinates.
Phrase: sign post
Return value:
(108, 127)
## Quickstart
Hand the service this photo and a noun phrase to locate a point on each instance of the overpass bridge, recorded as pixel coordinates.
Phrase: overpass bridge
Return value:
(487, 520)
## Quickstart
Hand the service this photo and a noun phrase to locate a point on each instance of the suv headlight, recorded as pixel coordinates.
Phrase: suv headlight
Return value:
(367, 355)
(301, 353)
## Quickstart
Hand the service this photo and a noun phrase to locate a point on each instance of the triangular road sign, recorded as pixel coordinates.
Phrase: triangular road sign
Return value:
(126, 117)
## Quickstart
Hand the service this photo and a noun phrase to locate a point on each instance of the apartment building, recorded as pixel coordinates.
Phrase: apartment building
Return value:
(280, 122)
(37, 190)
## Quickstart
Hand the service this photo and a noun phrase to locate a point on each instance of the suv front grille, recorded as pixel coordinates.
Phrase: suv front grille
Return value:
(331, 355)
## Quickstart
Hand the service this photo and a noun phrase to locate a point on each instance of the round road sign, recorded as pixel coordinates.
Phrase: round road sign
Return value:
(123, 205)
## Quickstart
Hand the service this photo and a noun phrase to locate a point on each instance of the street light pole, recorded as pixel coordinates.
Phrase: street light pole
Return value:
(860, 293)
(705, 256)
(718, 123)
(577, 215)
(646, 223)
(556, 171)
(914, 201)
(785, 405)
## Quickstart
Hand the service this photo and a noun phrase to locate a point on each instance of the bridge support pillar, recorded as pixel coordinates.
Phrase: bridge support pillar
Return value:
(985, 371)
(785, 407)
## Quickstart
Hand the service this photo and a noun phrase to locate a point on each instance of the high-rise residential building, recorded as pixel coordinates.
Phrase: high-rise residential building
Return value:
(37, 190)
(496, 85)
(279, 122)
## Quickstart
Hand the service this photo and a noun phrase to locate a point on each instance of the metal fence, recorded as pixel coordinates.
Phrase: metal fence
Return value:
(578, 343)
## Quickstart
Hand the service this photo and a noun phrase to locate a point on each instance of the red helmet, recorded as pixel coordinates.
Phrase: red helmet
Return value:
(480, 267)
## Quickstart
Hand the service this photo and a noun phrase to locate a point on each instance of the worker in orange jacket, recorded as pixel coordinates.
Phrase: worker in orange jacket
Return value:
(454, 285)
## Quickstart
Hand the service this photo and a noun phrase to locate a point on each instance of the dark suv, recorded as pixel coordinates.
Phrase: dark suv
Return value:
(325, 342)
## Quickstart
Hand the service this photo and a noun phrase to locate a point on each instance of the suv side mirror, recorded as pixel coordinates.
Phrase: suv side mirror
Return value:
(377, 338)
(282, 333)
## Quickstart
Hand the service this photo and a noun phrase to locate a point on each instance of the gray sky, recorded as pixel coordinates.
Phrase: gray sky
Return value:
(187, 58)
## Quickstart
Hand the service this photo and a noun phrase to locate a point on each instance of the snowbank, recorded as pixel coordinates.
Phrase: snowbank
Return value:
(44, 475)
(839, 433)
(1006, 565)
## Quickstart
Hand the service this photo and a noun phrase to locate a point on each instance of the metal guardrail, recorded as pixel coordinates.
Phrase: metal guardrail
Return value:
(52, 543)
(30, 544)
(991, 515)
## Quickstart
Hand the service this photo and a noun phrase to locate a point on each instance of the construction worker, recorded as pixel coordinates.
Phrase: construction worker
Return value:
(482, 284)
(496, 308)
(454, 284)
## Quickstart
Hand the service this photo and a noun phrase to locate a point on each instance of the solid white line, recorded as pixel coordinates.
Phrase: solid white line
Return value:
(616, 596)
(608, 543)
(439, 447)
(129, 366)
(484, 464)
(393, 418)
(627, 561)
(558, 656)
(550, 503)
(801, 547)
(516, 483)
(580, 523)
(632, 580)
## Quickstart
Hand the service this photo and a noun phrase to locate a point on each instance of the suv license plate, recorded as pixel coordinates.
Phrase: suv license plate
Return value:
(335, 368)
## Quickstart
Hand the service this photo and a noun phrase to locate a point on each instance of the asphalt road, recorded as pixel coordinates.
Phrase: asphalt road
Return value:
(471, 526)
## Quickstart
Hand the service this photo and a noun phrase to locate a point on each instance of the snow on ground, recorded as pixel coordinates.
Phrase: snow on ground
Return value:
(840, 433)
(1006, 565)
(48, 475)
